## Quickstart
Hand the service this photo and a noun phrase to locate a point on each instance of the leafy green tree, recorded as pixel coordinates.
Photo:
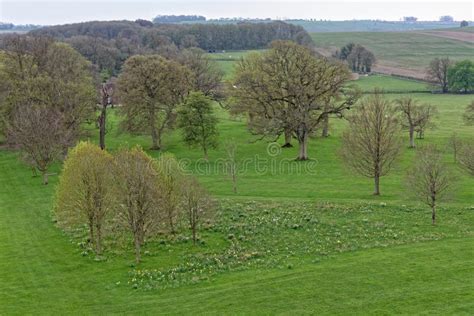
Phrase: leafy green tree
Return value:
(84, 194)
(198, 122)
(461, 76)
(289, 89)
(150, 89)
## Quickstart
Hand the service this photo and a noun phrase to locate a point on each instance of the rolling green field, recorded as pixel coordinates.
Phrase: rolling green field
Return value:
(399, 50)
(297, 238)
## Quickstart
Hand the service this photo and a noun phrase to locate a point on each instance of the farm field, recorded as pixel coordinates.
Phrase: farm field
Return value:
(401, 53)
(321, 239)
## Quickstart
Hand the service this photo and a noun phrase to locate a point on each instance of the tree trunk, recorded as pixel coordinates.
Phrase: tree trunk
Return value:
(170, 221)
(288, 137)
(325, 132)
(98, 243)
(137, 250)
(193, 226)
(102, 120)
(155, 139)
(206, 157)
(45, 177)
(433, 214)
(412, 137)
(91, 231)
(303, 148)
(376, 184)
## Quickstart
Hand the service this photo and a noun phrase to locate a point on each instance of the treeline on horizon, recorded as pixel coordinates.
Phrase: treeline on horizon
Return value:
(107, 44)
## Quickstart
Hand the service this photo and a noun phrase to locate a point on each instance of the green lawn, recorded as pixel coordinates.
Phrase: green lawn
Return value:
(356, 259)
(292, 240)
(391, 84)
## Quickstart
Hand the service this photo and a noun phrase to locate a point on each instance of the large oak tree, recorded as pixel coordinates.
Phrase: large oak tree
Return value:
(286, 89)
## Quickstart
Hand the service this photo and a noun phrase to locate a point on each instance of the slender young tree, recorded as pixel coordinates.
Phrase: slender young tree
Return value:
(429, 178)
(371, 144)
(150, 89)
(137, 194)
(455, 144)
(466, 156)
(198, 122)
(84, 194)
(469, 114)
(414, 116)
(197, 204)
(171, 180)
(231, 163)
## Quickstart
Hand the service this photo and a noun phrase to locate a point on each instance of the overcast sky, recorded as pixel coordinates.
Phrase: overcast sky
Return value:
(48, 12)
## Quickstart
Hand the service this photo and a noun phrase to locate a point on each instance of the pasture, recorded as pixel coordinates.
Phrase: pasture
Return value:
(402, 53)
(310, 231)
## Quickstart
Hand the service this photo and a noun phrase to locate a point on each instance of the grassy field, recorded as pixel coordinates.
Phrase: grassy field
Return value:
(408, 51)
(297, 238)
(370, 26)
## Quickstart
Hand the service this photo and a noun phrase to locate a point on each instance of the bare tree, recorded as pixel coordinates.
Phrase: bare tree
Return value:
(469, 114)
(372, 144)
(466, 156)
(415, 116)
(197, 204)
(231, 163)
(455, 144)
(84, 194)
(137, 194)
(429, 179)
(437, 72)
(171, 179)
(40, 133)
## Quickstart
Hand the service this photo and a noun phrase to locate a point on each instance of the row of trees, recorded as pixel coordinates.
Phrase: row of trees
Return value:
(109, 44)
(359, 58)
(128, 194)
(48, 83)
(372, 144)
(151, 89)
(449, 76)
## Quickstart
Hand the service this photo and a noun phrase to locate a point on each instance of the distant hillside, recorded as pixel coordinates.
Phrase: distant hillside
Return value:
(402, 53)
(370, 25)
